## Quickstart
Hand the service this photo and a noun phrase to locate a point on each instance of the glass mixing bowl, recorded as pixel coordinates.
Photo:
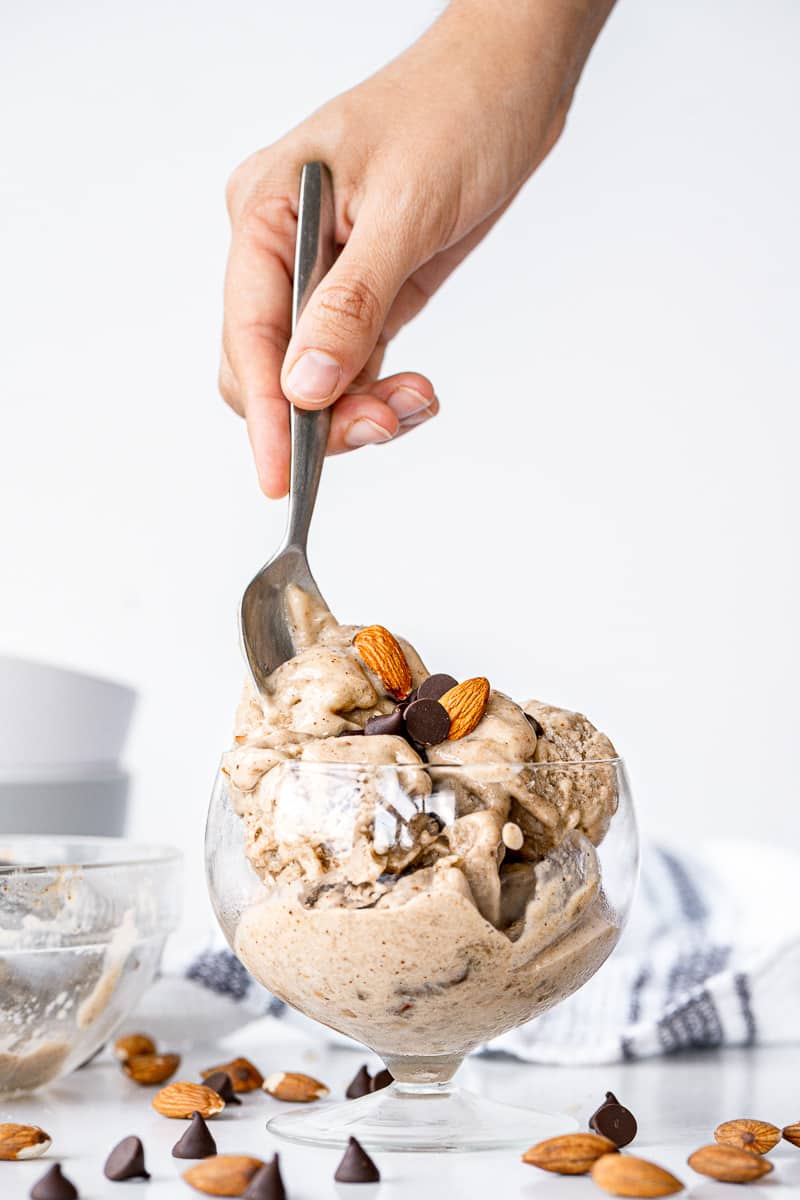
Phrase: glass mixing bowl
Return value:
(411, 914)
(82, 926)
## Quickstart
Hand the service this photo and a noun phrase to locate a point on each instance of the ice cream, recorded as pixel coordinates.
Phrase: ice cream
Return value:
(421, 898)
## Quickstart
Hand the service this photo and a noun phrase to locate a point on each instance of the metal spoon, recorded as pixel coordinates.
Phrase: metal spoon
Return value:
(263, 624)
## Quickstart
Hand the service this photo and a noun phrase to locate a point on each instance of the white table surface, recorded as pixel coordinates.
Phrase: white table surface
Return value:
(678, 1101)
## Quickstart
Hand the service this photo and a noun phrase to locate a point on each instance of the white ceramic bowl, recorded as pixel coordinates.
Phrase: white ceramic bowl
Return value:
(53, 717)
(88, 800)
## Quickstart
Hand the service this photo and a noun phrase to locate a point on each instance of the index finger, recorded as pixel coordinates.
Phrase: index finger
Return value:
(256, 331)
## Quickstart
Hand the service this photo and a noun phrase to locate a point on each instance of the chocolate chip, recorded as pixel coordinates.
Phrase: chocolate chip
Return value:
(196, 1142)
(266, 1184)
(220, 1082)
(427, 722)
(126, 1161)
(350, 733)
(54, 1186)
(537, 728)
(435, 687)
(360, 1084)
(382, 1080)
(391, 723)
(614, 1121)
(356, 1166)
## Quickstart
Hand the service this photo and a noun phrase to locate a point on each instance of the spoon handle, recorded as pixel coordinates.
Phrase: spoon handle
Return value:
(315, 252)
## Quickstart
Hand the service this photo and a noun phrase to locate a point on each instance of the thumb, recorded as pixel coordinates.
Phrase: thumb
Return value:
(345, 315)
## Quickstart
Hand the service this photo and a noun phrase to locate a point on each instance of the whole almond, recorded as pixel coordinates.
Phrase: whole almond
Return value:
(569, 1154)
(296, 1088)
(23, 1141)
(148, 1069)
(729, 1164)
(382, 653)
(747, 1134)
(183, 1099)
(223, 1174)
(791, 1133)
(624, 1175)
(244, 1076)
(133, 1043)
(465, 704)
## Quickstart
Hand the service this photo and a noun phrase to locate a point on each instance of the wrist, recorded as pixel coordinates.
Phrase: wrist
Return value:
(538, 43)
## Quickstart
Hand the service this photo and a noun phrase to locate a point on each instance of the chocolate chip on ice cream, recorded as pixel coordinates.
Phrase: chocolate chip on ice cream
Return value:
(427, 722)
(535, 726)
(435, 686)
(356, 1166)
(392, 723)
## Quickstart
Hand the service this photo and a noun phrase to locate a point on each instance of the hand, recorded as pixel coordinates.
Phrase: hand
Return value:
(426, 155)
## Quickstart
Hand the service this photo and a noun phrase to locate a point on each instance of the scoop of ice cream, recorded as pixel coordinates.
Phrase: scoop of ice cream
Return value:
(563, 798)
(401, 880)
(339, 811)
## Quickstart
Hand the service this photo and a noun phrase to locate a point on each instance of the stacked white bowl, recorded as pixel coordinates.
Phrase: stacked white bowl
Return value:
(61, 739)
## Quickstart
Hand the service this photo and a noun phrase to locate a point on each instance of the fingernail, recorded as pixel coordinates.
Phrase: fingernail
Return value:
(405, 403)
(416, 418)
(314, 376)
(364, 432)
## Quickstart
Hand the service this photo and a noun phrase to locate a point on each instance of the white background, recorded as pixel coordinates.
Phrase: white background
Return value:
(604, 514)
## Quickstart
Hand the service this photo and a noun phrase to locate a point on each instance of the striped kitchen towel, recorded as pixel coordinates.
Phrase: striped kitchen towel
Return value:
(710, 957)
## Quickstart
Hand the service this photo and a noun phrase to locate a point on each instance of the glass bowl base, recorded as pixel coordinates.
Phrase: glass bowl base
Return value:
(432, 1118)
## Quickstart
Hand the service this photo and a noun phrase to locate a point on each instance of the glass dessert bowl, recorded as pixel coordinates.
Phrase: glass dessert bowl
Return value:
(83, 922)
(422, 909)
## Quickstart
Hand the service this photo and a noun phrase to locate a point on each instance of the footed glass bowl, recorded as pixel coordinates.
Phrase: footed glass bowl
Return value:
(423, 910)
(82, 926)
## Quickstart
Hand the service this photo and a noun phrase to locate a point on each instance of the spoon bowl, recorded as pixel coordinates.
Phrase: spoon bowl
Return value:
(264, 628)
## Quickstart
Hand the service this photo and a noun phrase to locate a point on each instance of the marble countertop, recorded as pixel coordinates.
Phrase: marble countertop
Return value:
(678, 1101)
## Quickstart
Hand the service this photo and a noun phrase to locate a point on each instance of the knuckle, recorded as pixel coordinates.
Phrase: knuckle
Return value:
(266, 219)
(228, 389)
(231, 193)
(238, 185)
(256, 189)
(229, 400)
(559, 125)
